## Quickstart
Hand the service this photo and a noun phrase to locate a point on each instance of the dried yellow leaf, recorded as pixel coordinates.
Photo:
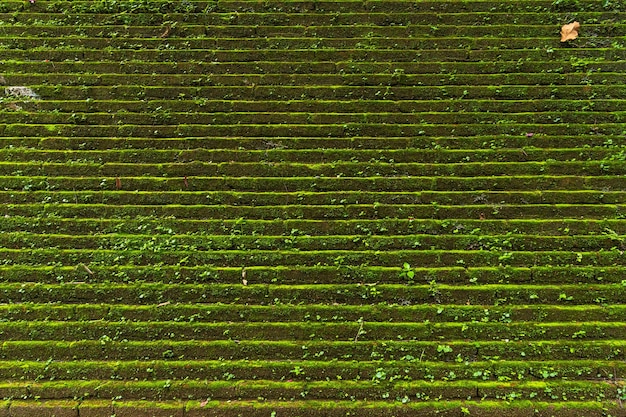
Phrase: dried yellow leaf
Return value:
(569, 32)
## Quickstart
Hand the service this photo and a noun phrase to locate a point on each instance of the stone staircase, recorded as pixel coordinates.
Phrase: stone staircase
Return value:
(312, 208)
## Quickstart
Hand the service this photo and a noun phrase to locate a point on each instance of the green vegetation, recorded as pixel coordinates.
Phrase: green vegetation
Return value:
(226, 208)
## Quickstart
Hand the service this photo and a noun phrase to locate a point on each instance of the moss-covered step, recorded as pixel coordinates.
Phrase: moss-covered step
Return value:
(357, 293)
(296, 241)
(312, 370)
(321, 212)
(162, 110)
(302, 111)
(299, 5)
(249, 257)
(335, 169)
(19, 155)
(279, 18)
(322, 313)
(303, 331)
(412, 351)
(271, 131)
(335, 92)
(608, 154)
(288, 42)
(327, 390)
(300, 227)
(323, 184)
(572, 64)
(300, 55)
(435, 143)
(302, 6)
(234, 198)
(394, 142)
(311, 156)
(320, 274)
(190, 29)
(314, 408)
(175, 274)
(315, 117)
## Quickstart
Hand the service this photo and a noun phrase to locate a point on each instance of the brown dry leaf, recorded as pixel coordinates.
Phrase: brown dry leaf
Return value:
(569, 32)
(14, 107)
(167, 31)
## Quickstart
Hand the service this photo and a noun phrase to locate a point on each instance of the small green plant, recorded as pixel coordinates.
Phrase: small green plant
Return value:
(612, 5)
(433, 290)
(444, 349)
(565, 297)
(297, 371)
(407, 273)
(562, 5)
(379, 376)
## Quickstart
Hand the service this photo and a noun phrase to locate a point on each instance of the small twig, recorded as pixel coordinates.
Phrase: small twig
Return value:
(82, 265)
(167, 31)
(358, 333)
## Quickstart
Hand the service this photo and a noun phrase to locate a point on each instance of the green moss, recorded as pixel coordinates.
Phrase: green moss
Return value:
(248, 208)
